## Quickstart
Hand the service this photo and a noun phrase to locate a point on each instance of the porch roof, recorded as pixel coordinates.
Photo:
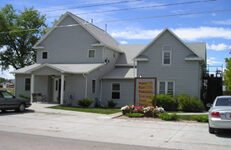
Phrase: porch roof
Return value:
(63, 68)
(120, 73)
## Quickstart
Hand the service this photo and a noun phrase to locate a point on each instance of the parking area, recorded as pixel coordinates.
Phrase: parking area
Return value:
(40, 120)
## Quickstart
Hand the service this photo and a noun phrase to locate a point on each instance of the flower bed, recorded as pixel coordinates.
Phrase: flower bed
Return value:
(147, 111)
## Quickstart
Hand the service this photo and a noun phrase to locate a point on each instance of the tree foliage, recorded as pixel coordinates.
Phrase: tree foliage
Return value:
(228, 74)
(19, 31)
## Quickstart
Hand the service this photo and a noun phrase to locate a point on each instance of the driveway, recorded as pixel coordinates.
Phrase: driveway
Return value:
(39, 120)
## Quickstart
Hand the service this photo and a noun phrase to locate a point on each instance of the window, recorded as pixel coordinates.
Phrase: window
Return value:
(91, 53)
(166, 55)
(167, 58)
(115, 91)
(27, 84)
(7, 95)
(45, 55)
(166, 87)
(93, 86)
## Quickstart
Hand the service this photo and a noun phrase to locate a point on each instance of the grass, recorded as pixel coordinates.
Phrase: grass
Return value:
(11, 90)
(106, 111)
(199, 118)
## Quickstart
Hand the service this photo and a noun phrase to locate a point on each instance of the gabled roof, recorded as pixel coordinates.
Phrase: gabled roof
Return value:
(102, 36)
(63, 68)
(198, 49)
(130, 52)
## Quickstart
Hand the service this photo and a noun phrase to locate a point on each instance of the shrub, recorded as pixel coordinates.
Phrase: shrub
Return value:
(165, 101)
(189, 104)
(201, 118)
(85, 102)
(166, 116)
(134, 114)
(111, 103)
(23, 96)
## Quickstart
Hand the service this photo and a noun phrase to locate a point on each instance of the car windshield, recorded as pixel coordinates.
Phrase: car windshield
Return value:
(223, 102)
(7, 95)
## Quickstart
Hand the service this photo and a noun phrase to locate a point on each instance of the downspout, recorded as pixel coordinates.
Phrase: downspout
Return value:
(85, 85)
(200, 77)
(134, 68)
(101, 86)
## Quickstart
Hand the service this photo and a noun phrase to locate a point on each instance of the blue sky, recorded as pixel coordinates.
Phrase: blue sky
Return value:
(214, 28)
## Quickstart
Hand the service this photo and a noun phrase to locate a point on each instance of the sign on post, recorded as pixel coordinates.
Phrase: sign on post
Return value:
(145, 89)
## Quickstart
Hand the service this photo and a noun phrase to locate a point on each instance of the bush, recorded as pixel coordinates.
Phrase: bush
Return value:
(189, 104)
(23, 96)
(166, 116)
(111, 103)
(201, 118)
(134, 114)
(85, 102)
(165, 101)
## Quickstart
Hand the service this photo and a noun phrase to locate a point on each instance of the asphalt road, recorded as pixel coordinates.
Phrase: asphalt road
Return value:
(78, 128)
(21, 141)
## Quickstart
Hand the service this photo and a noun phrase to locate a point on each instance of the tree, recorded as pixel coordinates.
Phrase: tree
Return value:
(19, 31)
(228, 74)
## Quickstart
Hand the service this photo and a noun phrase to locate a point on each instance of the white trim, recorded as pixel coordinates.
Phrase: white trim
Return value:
(115, 91)
(32, 80)
(97, 45)
(166, 86)
(47, 55)
(38, 48)
(89, 53)
(197, 58)
(163, 58)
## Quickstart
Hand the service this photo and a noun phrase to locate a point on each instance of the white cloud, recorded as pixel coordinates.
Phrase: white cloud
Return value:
(218, 47)
(212, 61)
(223, 22)
(123, 42)
(7, 74)
(190, 34)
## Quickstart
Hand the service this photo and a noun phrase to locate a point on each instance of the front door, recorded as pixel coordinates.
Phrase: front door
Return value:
(56, 90)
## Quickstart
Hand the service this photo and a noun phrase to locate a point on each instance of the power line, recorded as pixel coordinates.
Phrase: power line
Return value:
(129, 19)
(40, 9)
(119, 2)
(143, 7)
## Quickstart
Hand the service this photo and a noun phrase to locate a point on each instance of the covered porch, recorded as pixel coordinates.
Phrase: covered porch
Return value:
(58, 83)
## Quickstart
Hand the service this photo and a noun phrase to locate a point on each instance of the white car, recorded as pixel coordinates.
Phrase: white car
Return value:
(220, 114)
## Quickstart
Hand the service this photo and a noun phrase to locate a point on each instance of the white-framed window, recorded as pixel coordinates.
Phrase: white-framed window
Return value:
(166, 55)
(93, 86)
(44, 55)
(91, 53)
(166, 87)
(27, 84)
(115, 94)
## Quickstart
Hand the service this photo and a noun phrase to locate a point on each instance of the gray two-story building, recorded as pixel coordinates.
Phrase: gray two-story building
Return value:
(76, 60)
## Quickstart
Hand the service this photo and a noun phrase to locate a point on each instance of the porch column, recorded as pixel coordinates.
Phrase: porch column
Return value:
(32, 87)
(62, 88)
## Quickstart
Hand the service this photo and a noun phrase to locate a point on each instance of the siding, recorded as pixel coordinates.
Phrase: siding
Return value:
(184, 73)
(20, 85)
(126, 92)
(69, 45)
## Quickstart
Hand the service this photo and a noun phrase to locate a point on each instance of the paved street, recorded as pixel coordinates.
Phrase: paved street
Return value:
(21, 141)
(39, 120)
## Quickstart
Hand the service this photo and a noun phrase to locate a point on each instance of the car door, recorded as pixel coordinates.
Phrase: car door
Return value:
(10, 101)
(2, 101)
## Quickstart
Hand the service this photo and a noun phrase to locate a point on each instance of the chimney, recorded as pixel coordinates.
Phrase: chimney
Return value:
(91, 21)
(106, 28)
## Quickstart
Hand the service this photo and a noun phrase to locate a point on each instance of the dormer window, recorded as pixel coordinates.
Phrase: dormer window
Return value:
(91, 53)
(44, 55)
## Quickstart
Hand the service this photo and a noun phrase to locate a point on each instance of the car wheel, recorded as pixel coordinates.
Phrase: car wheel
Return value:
(211, 130)
(21, 107)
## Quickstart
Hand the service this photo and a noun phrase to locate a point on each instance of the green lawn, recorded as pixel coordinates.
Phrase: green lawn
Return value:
(199, 118)
(11, 90)
(106, 111)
